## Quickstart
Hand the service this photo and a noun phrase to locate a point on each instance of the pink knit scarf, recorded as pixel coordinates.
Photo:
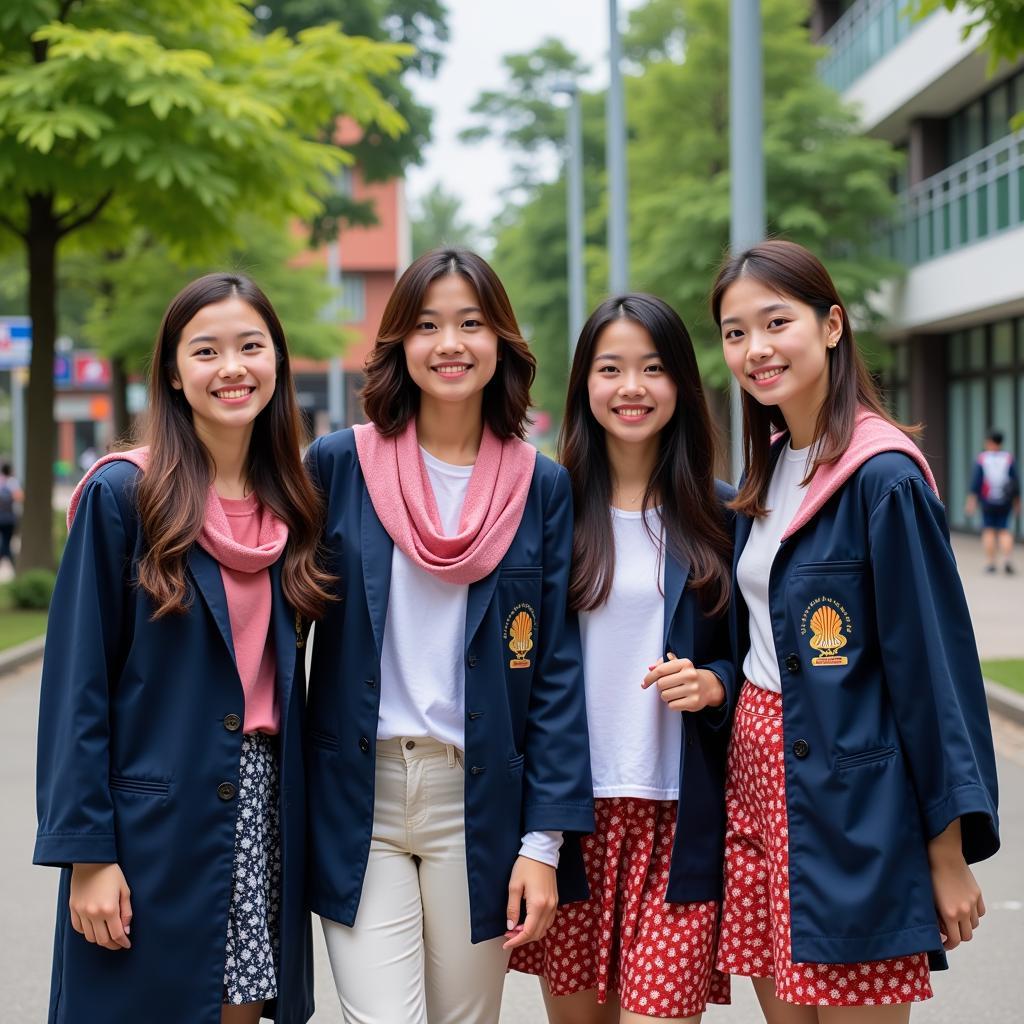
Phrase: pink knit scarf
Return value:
(396, 479)
(215, 538)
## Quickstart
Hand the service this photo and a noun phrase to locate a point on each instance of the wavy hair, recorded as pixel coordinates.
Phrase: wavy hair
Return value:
(172, 491)
(391, 397)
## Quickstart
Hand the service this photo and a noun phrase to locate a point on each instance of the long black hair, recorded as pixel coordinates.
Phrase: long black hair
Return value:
(683, 480)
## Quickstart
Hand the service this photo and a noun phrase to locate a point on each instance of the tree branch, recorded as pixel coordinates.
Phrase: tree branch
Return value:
(13, 228)
(65, 227)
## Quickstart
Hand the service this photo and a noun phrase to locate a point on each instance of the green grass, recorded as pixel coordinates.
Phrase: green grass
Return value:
(1009, 673)
(18, 626)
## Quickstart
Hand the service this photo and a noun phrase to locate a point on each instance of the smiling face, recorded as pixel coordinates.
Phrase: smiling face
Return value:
(777, 347)
(226, 366)
(451, 353)
(631, 395)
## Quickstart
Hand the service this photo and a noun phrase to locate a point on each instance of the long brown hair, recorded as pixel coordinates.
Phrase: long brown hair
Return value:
(683, 479)
(172, 491)
(791, 270)
(391, 397)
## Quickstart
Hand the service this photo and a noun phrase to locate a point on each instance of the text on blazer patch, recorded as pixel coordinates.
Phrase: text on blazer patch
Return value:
(826, 620)
(519, 630)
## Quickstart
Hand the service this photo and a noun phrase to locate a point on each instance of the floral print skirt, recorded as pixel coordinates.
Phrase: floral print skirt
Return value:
(253, 940)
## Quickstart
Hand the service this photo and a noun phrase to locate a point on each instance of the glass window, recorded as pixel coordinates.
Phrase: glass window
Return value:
(1002, 344)
(1002, 405)
(997, 114)
(959, 454)
(955, 352)
(353, 297)
(956, 143)
(974, 130)
(976, 349)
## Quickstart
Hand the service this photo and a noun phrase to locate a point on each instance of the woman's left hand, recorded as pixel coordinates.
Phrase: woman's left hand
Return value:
(958, 900)
(682, 686)
(534, 882)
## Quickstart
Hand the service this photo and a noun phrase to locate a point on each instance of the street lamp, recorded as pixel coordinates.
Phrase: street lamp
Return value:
(746, 163)
(615, 157)
(574, 208)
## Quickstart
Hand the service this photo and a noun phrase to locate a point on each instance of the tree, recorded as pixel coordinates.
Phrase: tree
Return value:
(436, 220)
(169, 117)
(1000, 21)
(827, 186)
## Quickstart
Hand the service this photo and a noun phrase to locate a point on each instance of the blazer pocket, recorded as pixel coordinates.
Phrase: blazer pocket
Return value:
(863, 757)
(520, 572)
(322, 739)
(147, 787)
(824, 568)
(515, 764)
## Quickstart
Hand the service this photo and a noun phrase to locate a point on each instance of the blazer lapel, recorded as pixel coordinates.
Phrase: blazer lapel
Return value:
(285, 625)
(480, 594)
(377, 548)
(206, 572)
(676, 574)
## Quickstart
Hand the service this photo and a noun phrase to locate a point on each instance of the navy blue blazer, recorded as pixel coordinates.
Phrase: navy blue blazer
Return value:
(138, 735)
(698, 850)
(887, 739)
(527, 750)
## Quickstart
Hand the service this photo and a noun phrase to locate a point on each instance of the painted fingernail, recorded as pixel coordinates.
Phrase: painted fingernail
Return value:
(510, 924)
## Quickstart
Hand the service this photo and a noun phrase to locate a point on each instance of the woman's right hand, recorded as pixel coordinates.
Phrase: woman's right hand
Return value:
(100, 903)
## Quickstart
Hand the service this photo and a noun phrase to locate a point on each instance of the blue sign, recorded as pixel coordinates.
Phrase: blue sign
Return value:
(63, 371)
(15, 342)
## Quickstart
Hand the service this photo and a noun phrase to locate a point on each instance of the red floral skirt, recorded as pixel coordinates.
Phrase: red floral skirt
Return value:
(755, 939)
(655, 957)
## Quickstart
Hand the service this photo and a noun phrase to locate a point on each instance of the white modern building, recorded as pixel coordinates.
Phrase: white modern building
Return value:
(957, 316)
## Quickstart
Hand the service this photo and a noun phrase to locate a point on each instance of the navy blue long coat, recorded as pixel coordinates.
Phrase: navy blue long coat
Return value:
(888, 741)
(527, 750)
(695, 874)
(138, 732)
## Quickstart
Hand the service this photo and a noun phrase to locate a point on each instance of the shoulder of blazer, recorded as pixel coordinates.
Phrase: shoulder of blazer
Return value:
(121, 477)
(331, 451)
(546, 472)
(881, 473)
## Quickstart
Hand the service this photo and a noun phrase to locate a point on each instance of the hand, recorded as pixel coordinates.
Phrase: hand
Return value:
(970, 505)
(958, 900)
(683, 687)
(100, 903)
(535, 882)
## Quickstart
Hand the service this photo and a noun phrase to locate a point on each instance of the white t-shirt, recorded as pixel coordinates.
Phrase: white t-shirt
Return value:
(422, 675)
(785, 493)
(634, 736)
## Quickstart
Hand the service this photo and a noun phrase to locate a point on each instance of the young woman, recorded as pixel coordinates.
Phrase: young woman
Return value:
(170, 775)
(861, 778)
(448, 734)
(650, 578)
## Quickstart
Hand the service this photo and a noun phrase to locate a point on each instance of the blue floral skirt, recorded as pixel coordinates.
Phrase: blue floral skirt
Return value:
(253, 941)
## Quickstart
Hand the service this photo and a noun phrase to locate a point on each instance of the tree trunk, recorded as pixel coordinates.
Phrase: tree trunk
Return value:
(119, 398)
(41, 434)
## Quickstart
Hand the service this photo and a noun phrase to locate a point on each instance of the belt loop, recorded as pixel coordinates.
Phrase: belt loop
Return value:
(449, 749)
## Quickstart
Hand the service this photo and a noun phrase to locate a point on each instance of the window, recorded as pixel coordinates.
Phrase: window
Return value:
(353, 297)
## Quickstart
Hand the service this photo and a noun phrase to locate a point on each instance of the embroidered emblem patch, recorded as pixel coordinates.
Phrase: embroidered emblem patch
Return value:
(519, 630)
(829, 625)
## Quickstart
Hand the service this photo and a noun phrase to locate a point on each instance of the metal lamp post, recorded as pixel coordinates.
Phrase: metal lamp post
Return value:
(574, 209)
(615, 155)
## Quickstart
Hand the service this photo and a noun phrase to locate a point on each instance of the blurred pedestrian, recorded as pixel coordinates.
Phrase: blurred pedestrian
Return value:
(11, 496)
(170, 770)
(995, 486)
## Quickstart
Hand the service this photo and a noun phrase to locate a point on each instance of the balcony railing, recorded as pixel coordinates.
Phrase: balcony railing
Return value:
(974, 199)
(862, 37)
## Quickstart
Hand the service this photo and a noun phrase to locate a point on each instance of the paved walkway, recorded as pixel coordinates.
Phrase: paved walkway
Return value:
(997, 601)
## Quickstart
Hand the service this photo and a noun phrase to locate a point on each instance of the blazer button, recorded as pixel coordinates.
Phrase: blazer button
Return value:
(226, 791)
(472, 660)
(801, 748)
(792, 663)
(232, 723)
(364, 744)
(477, 770)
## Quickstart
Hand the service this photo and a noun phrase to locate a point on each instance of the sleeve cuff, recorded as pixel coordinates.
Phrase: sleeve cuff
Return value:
(63, 851)
(542, 846)
(574, 817)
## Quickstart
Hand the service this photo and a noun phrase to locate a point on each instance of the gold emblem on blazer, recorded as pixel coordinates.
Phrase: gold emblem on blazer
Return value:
(828, 622)
(519, 630)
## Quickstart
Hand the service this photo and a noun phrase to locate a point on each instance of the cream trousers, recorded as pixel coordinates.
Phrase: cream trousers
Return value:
(408, 958)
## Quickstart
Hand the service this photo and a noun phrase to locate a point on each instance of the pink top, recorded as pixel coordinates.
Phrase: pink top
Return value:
(248, 597)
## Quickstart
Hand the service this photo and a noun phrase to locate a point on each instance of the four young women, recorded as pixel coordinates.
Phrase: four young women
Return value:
(468, 809)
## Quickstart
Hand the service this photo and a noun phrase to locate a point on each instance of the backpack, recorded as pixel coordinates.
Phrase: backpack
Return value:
(997, 485)
(6, 504)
